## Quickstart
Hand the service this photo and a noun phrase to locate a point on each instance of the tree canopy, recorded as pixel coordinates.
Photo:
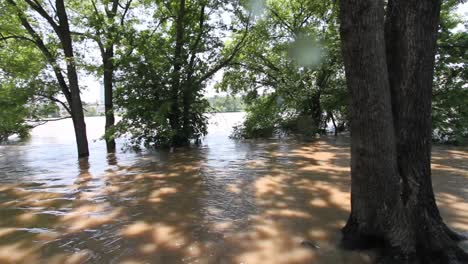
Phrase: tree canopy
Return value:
(157, 58)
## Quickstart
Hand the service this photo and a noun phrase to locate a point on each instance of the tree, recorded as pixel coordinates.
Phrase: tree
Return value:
(291, 72)
(14, 111)
(58, 23)
(161, 90)
(15, 80)
(25, 84)
(106, 22)
(389, 63)
(226, 103)
(450, 94)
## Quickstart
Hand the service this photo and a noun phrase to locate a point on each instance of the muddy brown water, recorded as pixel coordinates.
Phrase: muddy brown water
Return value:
(224, 202)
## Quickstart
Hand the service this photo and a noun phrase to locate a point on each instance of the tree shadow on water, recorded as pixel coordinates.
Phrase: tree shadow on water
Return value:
(242, 203)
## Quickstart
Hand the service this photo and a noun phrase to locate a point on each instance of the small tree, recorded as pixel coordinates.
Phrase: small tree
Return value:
(58, 23)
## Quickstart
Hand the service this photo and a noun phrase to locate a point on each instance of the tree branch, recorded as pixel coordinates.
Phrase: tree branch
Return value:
(126, 8)
(43, 48)
(282, 21)
(53, 99)
(39, 9)
(45, 121)
(5, 38)
(224, 63)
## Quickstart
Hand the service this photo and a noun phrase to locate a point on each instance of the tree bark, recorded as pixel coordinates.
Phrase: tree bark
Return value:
(190, 86)
(374, 173)
(389, 74)
(108, 64)
(335, 128)
(76, 106)
(316, 111)
(175, 114)
(71, 90)
(107, 54)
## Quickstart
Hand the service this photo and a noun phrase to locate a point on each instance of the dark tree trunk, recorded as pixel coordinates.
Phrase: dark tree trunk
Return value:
(316, 110)
(175, 114)
(390, 83)
(71, 90)
(76, 106)
(187, 102)
(335, 128)
(411, 34)
(108, 64)
(374, 171)
(107, 54)
(190, 85)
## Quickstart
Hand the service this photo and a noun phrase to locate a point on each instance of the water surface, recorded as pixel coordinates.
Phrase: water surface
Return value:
(224, 202)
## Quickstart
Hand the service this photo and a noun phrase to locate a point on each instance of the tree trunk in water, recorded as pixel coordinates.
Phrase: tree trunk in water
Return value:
(335, 128)
(374, 170)
(187, 102)
(411, 34)
(108, 97)
(174, 116)
(389, 76)
(316, 111)
(76, 105)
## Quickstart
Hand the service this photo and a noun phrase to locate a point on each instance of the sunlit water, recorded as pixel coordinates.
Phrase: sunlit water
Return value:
(224, 202)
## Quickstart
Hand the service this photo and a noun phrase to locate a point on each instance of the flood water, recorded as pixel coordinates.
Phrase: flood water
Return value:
(224, 202)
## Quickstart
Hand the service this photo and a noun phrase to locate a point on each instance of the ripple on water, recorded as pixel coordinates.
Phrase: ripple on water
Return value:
(225, 202)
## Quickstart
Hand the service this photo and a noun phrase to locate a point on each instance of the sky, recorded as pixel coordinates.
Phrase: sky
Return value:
(92, 89)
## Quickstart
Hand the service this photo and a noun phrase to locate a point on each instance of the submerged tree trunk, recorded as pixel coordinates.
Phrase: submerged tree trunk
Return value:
(374, 171)
(76, 105)
(389, 76)
(335, 128)
(316, 111)
(108, 64)
(71, 90)
(175, 114)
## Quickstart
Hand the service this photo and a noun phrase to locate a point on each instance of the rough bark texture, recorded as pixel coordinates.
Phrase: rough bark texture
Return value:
(389, 76)
(374, 171)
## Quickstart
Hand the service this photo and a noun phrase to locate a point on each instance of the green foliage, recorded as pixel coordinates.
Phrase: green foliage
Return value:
(14, 111)
(283, 57)
(160, 91)
(293, 61)
(450, 100)
(226, 103)
(262, 119)
(21, 66)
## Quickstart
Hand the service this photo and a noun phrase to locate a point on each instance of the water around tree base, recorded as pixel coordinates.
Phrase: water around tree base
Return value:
(256, 201)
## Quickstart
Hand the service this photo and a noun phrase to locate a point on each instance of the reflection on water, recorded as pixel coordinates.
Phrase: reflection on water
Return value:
(224, 202)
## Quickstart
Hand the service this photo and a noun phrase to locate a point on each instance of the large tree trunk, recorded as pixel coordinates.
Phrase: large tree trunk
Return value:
(108, 64)
(390, 84)
(374, 171)
(411, 34)
(76, 106)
